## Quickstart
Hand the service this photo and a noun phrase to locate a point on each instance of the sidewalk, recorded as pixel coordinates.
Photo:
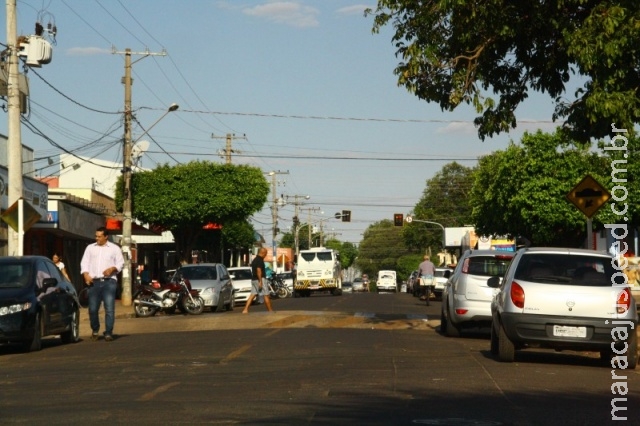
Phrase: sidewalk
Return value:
(121, 312)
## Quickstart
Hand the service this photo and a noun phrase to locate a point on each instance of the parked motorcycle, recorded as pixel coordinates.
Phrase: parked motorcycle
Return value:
(148, 300)
(277, 287)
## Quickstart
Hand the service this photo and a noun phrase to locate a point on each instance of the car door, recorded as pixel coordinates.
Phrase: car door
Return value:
(65, 295)
(226, 284)
(48, 299)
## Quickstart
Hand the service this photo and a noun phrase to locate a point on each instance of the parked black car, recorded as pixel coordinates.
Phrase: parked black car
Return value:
(36, 301)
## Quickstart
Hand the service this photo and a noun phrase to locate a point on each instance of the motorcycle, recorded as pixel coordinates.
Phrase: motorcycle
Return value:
(277, 287)
(149, 299)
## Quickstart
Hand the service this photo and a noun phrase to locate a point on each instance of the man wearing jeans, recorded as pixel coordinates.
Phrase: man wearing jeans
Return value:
(100, 264)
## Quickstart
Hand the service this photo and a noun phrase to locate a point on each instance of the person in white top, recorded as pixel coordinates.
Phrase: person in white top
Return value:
(100, 264)
(57, 260)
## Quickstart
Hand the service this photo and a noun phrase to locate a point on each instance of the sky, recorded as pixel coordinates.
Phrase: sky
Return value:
(305, 88)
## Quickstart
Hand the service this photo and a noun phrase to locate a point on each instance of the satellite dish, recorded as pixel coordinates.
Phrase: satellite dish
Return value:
(139, 148)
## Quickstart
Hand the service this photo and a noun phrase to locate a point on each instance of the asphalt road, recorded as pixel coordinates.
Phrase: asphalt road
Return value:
(362, 359)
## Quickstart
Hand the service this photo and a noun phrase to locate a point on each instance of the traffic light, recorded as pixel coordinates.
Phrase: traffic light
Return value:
(346, 215)
(398, 219)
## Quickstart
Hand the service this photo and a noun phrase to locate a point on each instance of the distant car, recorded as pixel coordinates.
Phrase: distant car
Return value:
(466, 298)
(358, 284)
(241, 279)
(213, 282)
(36, 301)
(347, 287)
(440, 279)
(562, 298)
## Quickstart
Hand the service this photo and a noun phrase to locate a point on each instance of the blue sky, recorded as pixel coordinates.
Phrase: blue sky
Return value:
(305, 86)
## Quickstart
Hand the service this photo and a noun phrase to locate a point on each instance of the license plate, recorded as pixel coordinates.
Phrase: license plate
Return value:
(568, 331)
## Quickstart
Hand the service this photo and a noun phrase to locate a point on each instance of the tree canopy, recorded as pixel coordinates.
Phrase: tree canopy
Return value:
(455, 52)
(186, 197)
(521, 191)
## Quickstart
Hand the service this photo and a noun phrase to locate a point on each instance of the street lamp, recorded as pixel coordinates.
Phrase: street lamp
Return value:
(126, 207)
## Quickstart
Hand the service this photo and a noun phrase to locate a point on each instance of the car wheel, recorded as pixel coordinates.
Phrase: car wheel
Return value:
(232, 302)
(35, 344)
(73, 334)
(506, 348)
(632, 352)
(494, 340)
(452, 329)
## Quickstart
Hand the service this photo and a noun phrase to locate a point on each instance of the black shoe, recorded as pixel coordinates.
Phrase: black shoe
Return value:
(94, 336)
(108, 338)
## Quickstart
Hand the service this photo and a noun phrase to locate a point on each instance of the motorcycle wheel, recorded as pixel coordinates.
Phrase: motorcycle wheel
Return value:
(143, 311)
(194, 308)
(282, 292)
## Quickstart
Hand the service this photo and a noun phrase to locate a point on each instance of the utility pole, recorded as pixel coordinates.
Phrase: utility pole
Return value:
(14, 141)
(274, 210)
(296, 219)
(126, 170)
(228, 149)
(309, 210)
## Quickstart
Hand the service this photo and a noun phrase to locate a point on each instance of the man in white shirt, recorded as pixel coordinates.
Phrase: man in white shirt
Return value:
(100, 264)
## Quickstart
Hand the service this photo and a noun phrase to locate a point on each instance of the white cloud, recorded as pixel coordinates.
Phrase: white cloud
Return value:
(356, 9)
(459, 128)
(286, 12)
(86, 51)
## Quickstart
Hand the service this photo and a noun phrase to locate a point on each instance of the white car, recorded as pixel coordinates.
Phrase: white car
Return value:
(241, 278)
(561, 298)
(440, 280)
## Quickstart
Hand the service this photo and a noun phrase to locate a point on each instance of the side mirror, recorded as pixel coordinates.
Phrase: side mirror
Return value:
(233, 277)
(494, 282)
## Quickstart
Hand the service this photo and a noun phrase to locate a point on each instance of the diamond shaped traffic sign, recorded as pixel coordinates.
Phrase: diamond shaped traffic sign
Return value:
(588, 196)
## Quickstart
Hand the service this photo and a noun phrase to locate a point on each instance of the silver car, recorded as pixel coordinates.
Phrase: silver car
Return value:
(564, 299)
(466, 298)
(212, 281)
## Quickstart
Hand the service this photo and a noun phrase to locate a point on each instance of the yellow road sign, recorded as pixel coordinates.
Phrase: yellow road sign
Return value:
(588, 196)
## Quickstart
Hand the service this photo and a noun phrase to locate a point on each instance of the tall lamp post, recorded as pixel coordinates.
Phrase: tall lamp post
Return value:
(126, 207)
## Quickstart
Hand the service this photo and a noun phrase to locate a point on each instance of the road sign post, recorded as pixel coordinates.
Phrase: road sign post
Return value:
(588, 196)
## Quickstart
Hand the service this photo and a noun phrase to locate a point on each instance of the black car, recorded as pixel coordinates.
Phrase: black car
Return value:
(36, 301)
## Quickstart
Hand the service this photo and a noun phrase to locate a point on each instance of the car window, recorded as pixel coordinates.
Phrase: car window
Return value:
(568, 269)
(14, 275)
(199, 273)
(42, 272)
(488, 266)
(54, 272)
(242, 274)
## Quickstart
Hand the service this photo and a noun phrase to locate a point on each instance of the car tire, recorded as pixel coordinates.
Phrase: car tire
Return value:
(632, 352)
(452, 329)
(73, 334)
(494, 340)
(35, 343)
(232, 302)
(506, 348)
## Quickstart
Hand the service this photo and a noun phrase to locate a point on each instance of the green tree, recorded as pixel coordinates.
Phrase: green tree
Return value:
(185, 197)
(522, 190)
(381, 247)
(445, 200)
(348, 252)
(455, 52)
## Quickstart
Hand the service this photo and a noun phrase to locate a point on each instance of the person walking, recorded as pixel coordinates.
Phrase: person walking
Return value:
(57, 260)
(258, 281)
(100, 264)
(426, 272)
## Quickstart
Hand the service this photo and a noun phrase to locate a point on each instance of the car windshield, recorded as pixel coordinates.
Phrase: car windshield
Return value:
(199, 273)
(440, 272)
(568, 269)
(14, 275)
(488, 266)
(241, 274)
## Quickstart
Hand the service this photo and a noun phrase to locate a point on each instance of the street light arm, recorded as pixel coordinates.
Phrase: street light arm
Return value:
(172, 108)
(410, 219)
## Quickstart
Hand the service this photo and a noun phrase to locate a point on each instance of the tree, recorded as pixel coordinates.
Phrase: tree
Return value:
(522, 190)
(445, 200)
(381, 247)
(456, 52)
(186, 197)
(348, 252)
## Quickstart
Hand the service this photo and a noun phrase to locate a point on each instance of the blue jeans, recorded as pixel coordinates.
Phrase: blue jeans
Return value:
(102, 292)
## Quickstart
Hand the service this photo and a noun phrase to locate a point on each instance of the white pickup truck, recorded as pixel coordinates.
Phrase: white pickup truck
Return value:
(387, 281)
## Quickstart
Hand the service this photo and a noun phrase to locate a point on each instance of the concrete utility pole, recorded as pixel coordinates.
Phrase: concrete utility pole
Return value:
(274, 209)
(228, 149)
(309, 210)
(126, 171)
(14, 142)
(296, 219)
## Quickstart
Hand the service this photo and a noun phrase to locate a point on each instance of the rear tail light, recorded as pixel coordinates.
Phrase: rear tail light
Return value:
(517, 295)
(465, 266)
(624, 301)
(461, 311)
